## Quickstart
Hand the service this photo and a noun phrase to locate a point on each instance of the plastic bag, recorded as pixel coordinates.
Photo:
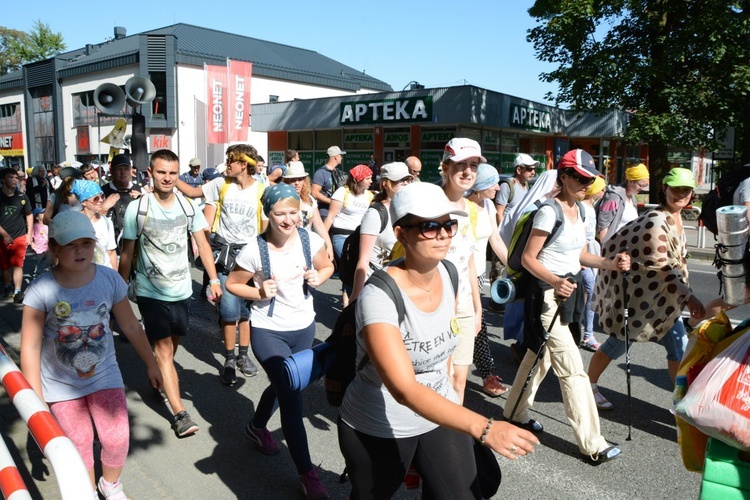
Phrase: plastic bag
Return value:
(718, 401)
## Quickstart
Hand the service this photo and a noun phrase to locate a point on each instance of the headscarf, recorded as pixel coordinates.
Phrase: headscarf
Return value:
(598, 185)
(275, 193)
(544, 184)
(637, 173)
(487, 177)
(83, 190)
(360, 172)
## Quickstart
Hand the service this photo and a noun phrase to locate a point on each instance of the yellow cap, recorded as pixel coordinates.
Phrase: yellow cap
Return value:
(637, 173)
(598, 185)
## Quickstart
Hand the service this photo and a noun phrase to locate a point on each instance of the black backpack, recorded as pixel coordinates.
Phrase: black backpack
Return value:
(350, 251)
(343, 337)
(338, 178)
(721, 196)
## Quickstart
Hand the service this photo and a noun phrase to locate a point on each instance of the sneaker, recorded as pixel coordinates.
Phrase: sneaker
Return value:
(112, 491)
(246, 366)
(601, 402)
(183, 426)
(262, 438)
(8, 291)
(18, 297)
(313, 488)
(229, 374)
(604, 456)
(493, 387)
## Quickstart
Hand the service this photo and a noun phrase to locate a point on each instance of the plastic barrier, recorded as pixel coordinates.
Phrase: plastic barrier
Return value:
(72, 476)
(11, 483)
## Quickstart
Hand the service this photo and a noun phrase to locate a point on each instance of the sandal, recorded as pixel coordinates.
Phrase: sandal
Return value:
(590, 344)
(530, 425)
(603, 456)
(493, 387)
(601, 402)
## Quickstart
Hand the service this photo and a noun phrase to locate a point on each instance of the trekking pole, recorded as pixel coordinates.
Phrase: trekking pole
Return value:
(539, 354)
(625, 275)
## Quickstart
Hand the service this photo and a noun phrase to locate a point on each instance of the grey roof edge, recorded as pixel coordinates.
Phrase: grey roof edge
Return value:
(125, 59)
(13, 80)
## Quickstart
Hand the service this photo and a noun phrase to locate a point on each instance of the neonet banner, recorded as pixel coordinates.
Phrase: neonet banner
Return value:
(228, 102)
(11, 144)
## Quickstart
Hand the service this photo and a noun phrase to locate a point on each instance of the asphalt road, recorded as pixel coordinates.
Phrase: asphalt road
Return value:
(215, 463)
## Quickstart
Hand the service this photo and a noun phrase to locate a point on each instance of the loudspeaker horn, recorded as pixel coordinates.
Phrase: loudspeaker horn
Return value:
(109, 99)
(139, 91)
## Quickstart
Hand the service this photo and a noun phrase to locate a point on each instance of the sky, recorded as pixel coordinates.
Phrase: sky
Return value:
(436, 43)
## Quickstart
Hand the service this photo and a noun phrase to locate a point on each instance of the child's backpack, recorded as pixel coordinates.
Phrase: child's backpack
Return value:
(344, 341)
(350, 251)
(721, 196)
(522, 231)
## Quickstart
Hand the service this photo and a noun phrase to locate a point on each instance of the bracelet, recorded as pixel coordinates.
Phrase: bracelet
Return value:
(486, 432)
(214, 282)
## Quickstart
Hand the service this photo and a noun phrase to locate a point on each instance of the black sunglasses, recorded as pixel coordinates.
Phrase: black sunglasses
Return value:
(584, 181)
(430, 229)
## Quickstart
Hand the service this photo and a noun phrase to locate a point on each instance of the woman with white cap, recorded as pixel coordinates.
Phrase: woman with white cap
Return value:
(482, 193)
(554, 300)
(461, 159)
(401, 407)
(376, 239)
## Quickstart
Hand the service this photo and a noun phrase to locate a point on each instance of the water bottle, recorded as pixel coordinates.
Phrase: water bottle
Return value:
(210, 294)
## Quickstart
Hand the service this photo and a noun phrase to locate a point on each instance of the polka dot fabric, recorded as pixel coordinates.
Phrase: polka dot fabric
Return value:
(657, 285)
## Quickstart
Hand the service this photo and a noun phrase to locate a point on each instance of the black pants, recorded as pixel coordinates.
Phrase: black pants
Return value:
(377, 466)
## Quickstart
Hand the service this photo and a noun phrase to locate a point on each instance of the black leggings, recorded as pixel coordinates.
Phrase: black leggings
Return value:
(377, 466)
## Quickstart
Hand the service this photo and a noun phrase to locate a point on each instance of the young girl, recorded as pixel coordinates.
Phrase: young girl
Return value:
(67, 351)
(283, 322)
(40, 243)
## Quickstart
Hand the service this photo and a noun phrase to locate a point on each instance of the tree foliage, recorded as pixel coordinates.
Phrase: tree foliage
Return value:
(19, 48)
(682, 67)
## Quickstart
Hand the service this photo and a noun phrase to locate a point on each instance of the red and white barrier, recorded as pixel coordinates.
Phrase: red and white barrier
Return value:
(11, 483)
(72, 476)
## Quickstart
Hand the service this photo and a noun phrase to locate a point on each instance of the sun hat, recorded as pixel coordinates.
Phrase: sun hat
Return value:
(487, 177)
(598, 185)
(460, 148)
(335, 151)
(679, 177)
(71, 225)
(275, 193)
(83, 190)
(580, 161)
(637, 173)
(522, 159)
(422, 199)
(295, 170)
(360, 172)
(395, 171)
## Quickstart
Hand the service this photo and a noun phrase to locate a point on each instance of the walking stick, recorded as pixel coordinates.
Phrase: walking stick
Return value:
(625, 275)
(539, 355)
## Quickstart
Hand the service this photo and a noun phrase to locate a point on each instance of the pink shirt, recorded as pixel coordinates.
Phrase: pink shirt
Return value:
(40, 237)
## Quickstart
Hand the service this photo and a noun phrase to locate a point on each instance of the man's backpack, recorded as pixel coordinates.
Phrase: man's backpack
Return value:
(343, 338)
(338, 178)
(721, 196)
(265, 260)
(510, 181)
(522, 231)
(350, 251)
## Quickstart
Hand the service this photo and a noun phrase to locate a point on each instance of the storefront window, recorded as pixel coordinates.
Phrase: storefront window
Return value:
(301, 141)
(43, 123)
(358, 144)
(397, 138)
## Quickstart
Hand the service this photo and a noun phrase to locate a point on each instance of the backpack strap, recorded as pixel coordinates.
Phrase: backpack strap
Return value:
(473, 210)
(560, 218)
(452, 274)
(222, 193)
(304, 237)
(265, 261)
(142, 215)
(382, 212)
(511, 191)
(189, 210)
(259, 206)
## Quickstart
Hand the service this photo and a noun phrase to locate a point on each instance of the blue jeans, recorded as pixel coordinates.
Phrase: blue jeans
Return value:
(271, 348)
(231, 308)
(513, 321)
(588, 285)
(675, 342)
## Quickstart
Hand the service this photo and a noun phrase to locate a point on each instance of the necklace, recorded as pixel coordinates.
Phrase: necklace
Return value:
(428, 291)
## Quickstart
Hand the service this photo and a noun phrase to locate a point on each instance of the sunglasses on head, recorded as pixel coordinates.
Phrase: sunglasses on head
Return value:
(585, 181)
(430, 229)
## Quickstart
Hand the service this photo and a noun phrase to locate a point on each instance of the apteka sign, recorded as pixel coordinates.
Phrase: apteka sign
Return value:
(409, 109)
(530, 118)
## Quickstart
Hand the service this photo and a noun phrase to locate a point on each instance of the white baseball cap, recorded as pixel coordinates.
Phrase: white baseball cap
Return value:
(422, 199)
(525, 160)
(395, 171)
(460, 148)
(71, 225)
(335, 151)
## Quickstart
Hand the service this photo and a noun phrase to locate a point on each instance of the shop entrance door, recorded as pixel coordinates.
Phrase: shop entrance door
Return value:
(391, 155)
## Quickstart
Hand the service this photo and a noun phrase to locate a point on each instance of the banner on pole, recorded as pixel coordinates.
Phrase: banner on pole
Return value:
(238, 123)
(216, 99)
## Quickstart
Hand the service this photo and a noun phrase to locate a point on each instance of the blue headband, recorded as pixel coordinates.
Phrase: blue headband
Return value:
(487, 177)
(275, 193)
(83, 190)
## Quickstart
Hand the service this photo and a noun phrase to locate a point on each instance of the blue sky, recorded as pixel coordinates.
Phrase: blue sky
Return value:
(436, 43)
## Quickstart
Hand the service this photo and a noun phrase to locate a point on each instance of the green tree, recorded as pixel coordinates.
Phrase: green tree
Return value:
(680, 66)
(9, 59)
(38, 45)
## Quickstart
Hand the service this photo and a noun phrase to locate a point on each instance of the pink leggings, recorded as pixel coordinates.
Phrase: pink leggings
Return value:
(109, 412)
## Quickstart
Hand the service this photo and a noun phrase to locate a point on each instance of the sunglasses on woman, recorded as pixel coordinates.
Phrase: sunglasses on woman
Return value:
(430, 229)
(580, 179)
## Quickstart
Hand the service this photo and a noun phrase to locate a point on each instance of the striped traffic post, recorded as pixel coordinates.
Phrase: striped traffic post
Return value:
(72, 477)
(11, 483)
